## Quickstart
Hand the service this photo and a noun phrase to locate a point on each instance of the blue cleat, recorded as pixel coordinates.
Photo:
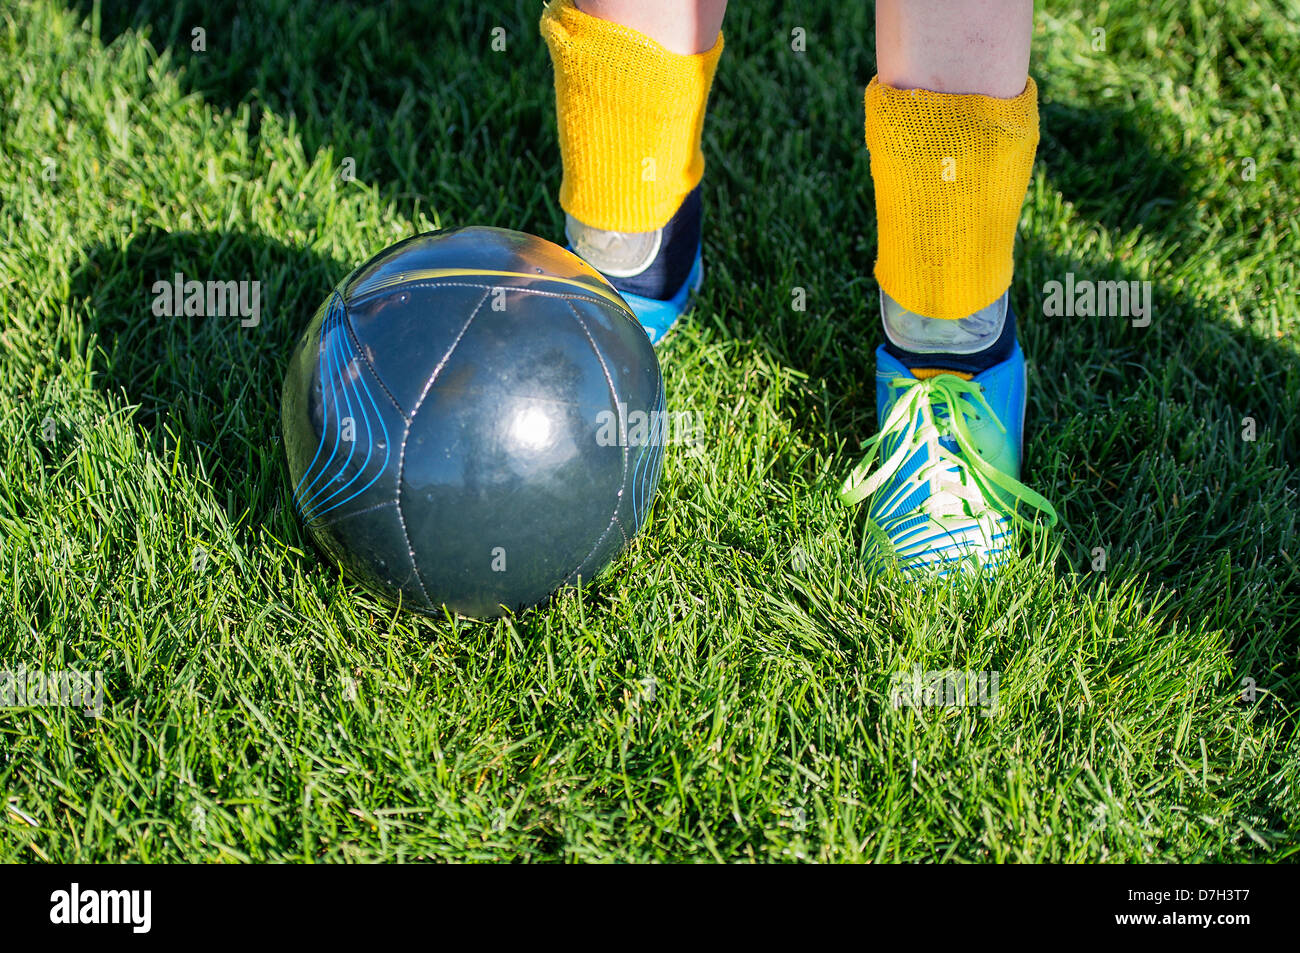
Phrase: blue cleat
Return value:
(943, 471)
(658, 273)
(657, 315)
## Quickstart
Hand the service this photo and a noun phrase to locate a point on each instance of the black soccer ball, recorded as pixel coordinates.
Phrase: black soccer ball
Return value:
(456, 422)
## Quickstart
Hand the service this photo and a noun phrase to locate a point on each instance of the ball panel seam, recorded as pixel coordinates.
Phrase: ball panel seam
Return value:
(361, 353)
(522, 289)
(401, 457)
(622, 424)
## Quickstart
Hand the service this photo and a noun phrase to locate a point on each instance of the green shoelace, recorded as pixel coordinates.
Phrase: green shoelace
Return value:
(972, 491)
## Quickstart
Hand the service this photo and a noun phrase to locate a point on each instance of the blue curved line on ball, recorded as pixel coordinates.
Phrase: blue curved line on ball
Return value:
(336, 308)
(648, 461)
(328, 374)
(636, 505)
(645, 480)
(318, 506)
(342, 365)
(318, 513)
(638, 484)
(655, 473)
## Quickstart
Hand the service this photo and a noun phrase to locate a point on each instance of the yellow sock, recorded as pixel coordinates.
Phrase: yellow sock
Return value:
(630, 115)
(950, 172)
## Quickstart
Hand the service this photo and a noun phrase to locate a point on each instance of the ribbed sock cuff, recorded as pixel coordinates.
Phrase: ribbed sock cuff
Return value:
(630, 115)
(950, 173)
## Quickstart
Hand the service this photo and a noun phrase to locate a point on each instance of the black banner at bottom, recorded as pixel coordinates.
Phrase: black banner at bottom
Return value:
(1222, 905)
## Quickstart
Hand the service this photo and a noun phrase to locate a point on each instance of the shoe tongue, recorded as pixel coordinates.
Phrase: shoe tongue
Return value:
(944, 419)
(925, 373)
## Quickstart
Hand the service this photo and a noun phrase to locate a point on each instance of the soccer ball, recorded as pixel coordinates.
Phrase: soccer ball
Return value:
(456, 422)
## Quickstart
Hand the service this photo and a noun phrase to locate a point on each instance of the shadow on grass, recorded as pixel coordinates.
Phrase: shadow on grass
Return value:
(1135, 432)
(205, 381)
(391, 84)
(412, 91)
(377, 76)
(1102, 163)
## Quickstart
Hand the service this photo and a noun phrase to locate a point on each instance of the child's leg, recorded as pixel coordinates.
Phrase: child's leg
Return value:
(632, 81)
(954, 46)
(681, 26)
(952, 125)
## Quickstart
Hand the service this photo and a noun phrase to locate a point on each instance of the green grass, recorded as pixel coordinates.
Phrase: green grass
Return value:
(719, 696)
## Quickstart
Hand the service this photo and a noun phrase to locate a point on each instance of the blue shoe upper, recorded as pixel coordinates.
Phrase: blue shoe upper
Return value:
(658, 317)
(1003, 387)
(942, 474)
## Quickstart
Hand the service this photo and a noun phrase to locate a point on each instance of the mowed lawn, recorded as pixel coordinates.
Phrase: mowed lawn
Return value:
(725, 694)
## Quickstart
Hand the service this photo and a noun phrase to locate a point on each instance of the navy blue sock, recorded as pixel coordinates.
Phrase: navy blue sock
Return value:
(672, 266)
